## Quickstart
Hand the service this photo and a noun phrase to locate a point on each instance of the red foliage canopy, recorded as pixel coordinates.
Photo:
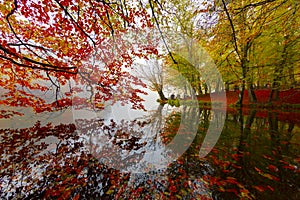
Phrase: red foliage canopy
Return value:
(66, 46)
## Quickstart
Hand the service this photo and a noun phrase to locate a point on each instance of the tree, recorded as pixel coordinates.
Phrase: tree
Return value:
(185, 70)
(152, 72)
(183, 53)
(246, 41)
(69, 46)
(287, 38)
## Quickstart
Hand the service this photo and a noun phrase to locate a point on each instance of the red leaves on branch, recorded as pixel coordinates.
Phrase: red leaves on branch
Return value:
(48, 46)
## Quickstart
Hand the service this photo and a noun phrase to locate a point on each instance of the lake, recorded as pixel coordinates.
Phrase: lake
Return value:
(165, 152)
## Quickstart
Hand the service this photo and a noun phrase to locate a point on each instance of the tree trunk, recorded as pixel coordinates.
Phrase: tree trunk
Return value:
(226, 86)
(251, 93)
(274, 94)
(161, 95)
(205, 88)
(278, 74)
(241, 95)
(218, 86)
(199, 88)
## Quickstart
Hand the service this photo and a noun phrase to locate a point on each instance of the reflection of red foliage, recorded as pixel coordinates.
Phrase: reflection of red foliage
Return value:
(292, 117)
(9, 113)
(291, 96)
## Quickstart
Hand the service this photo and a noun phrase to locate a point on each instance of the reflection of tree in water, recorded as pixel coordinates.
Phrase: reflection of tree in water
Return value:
(254, 164)
(129, 145)
(156, 119)
(255, 160)
(30, 171)
(112, 143)
(246, 163)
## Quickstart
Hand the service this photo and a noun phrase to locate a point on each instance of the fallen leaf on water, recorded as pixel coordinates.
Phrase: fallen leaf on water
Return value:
(257, 169)
(269, 176)
(272, 189)
(291, 167)
(272, 168)
(259, 188)
(268, 157)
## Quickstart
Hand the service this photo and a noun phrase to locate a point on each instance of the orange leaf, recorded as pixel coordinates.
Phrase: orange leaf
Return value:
(258, 170)
(259, 188)
(76, 197)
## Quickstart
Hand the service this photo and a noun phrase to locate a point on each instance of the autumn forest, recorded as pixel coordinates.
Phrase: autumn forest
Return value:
(150, 99)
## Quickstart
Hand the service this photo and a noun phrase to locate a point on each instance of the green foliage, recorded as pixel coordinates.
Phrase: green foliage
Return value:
(257, 43)
(174, 102)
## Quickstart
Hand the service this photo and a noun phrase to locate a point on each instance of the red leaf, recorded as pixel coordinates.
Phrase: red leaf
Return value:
(272, 168)
(297, 160)
(289, 167)
(269, 187)
(259, 188)
(258, 170)
(231, 180)
(268, 157)
(173, 188)
(76, 197)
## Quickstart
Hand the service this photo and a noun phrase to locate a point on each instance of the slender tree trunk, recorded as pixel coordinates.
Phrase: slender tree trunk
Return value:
(218, 86)
(199, 88)
(251, 93)
(250, 119)
(241, 95)
(226, 86)
(273, 128)
(205, 88)
(291, 127)
(274, 95)
(185, 92)
(292, 79)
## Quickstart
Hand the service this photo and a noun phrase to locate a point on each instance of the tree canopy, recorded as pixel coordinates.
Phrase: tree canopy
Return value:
(58, 46)
(51, 51)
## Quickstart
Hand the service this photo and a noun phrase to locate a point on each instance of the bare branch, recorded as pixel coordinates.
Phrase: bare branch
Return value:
(36, 67)
(232, 28)
(261, 3)
(158, 27)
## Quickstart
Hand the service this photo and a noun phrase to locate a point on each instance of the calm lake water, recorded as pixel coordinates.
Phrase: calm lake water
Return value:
(165, 153)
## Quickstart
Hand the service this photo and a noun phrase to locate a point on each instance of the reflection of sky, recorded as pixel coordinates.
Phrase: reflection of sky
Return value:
(120, 112)
(29, 118)
(155, 156)
(124, 112)
(116, 112)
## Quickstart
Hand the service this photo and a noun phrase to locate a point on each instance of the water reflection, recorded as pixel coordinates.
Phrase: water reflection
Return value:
(255, 162)
(256, 157)
(136, 145)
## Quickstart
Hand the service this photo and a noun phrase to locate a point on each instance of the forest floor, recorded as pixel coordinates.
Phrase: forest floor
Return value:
(286, 97)
(287, 107)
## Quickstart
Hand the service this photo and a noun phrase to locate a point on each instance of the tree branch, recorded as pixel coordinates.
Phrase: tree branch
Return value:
(254, 5)
(36, 67)
(76, 24)
(158, 27)
(232, 28)
(45, 65)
